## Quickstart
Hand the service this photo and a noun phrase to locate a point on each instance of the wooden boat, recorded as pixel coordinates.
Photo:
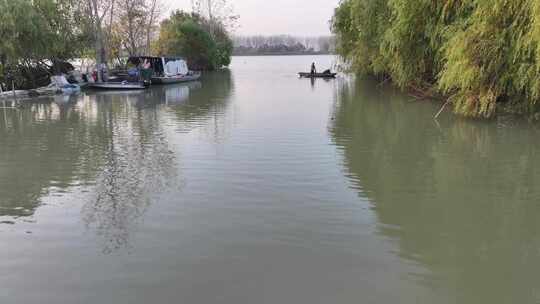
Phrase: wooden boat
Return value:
(176, 79)
(124, 85)
(317, 75)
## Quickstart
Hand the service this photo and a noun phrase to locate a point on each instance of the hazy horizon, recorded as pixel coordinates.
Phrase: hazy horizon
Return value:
(279, 17)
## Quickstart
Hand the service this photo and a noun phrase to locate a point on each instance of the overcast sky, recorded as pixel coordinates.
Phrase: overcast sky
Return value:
(270, 17)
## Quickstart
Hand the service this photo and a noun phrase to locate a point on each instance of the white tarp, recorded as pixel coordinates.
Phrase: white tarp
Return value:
(59, 81)
(177, 67)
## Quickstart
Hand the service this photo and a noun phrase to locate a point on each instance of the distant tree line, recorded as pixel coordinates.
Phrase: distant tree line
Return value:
(40, 36)
(282, 45)
(483, 56)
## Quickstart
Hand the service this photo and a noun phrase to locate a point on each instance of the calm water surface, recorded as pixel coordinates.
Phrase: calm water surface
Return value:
(254, 186)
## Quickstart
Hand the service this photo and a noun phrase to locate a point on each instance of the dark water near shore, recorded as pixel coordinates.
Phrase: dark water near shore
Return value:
(254, 186)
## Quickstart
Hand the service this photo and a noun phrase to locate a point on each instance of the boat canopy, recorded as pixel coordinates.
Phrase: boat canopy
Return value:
(163, 66)
(156, 63)
(176, 67)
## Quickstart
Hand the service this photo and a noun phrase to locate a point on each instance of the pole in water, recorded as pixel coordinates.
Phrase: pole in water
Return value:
(4, 105)
(441, 110)
(2, 97)
(13, 89)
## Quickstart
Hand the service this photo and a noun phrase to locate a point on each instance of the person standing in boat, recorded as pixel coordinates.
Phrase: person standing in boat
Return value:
(146, 71)
(313, 68)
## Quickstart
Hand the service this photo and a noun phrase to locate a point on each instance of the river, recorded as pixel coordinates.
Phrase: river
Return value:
(255, 186)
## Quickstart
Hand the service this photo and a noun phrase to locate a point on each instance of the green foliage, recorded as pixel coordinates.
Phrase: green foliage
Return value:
(493, 59)
(482, 54)
(360, 27)
(36, 34)
(205, 45)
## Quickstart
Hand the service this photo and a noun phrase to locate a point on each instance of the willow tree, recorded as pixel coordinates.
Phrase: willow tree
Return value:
(494, 59)
(36, 34)
(483, 55)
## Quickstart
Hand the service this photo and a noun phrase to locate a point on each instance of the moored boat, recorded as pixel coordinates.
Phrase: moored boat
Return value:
(124, 85)
(166, 70)
(191, 76)
(58, 86)
(317, 75)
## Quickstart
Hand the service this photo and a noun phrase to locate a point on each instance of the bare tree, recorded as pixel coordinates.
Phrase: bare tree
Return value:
(136, 23)
(96, 10)
(155, 9)
(217, 11)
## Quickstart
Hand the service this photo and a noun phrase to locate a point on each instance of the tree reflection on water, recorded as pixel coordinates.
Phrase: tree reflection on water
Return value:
(111, 146)
(139, 166)
(459, 197)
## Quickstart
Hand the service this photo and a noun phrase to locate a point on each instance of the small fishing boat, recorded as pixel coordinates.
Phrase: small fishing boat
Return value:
(317, 75)
(124, 85)
(191, 76)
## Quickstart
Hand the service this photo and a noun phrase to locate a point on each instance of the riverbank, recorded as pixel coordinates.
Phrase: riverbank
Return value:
(281, 54)
(431, 94)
